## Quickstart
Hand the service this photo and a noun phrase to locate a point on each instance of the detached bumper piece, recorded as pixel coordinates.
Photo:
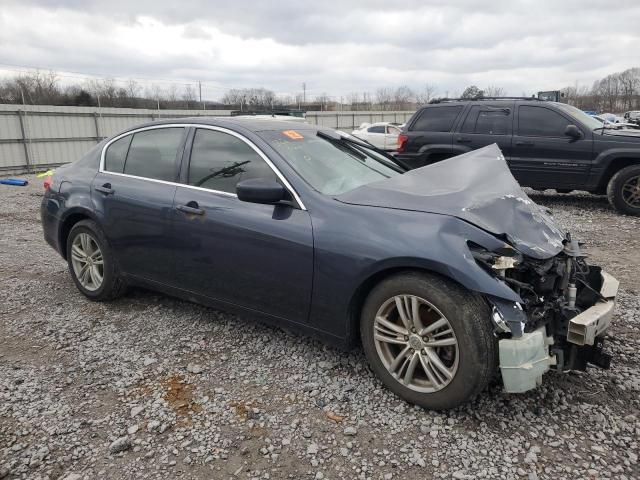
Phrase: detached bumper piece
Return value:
(593, 322)
(524, 360)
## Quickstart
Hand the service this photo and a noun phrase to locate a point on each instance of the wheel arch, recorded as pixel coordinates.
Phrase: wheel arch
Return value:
(362, 291)
(72, 217)
(615, 165)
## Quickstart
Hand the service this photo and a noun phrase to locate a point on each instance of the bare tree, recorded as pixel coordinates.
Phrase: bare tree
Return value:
(189, 95)
(427, 93)
(493, 91)
(384, 98)
(403, 98)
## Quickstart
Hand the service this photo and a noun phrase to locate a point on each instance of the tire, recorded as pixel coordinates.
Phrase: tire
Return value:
(109, 284)
(623, 190)
(471, 363)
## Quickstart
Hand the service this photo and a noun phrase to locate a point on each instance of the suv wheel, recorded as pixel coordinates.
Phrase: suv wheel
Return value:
(91, 262)
(429, 340)
(623, 190)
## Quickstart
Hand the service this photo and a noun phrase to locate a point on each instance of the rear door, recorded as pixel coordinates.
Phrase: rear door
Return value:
(133, 194)
(430, 135)
(253, 255)
(485, 125)
(543, 156)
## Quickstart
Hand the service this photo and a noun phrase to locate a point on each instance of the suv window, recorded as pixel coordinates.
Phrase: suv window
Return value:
(436, 119)
(153, 153)
(540, 122)
(219, 161)
(376, 129)
(116, 154)
(491, 121)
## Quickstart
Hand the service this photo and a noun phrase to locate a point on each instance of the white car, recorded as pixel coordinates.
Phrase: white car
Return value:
(383, 135)
(616, 125)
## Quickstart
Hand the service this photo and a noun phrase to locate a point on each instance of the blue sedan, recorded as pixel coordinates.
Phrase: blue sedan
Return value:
(443, 274)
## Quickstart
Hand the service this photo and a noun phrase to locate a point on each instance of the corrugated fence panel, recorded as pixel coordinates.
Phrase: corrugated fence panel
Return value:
(67, 126)
(58, 135)
(10, 127)
(52, 153)
(112, 124)
(11, 156)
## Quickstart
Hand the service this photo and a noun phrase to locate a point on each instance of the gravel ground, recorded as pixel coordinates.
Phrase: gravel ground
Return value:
(153, 387)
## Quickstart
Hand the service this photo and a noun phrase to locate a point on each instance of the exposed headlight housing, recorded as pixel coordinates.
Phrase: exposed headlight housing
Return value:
(499, 260)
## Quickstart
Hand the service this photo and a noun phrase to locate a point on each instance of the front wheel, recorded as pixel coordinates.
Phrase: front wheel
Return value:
(91, 262)
(623, 190)
(429, 340)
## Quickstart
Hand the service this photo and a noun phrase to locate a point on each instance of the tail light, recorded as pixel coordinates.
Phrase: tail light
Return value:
(47, 182)
(402, 142)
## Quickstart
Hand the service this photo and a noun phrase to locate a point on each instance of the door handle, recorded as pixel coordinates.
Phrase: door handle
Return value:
(525, 144)
(191, 208)
(463, 140)
(106, 189)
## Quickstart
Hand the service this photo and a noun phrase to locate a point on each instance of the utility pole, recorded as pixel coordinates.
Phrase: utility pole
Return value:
(200, 91)
(304, 92)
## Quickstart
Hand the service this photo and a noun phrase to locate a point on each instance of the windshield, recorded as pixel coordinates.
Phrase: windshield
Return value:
(330, 166)
(579, 115)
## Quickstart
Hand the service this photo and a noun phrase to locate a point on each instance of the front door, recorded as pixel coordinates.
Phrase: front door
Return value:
(253, 255)
(543, 156)
(133, 194)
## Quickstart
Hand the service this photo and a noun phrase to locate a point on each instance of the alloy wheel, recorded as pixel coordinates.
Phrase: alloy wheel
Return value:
(631, 192)
(416, 343)
(87, 261)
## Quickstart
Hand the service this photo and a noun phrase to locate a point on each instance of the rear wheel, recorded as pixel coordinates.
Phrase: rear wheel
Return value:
(429, 340)
(623, 190)
(91, 262)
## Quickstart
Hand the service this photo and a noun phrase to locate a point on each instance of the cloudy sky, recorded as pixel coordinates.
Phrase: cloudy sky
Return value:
(334, 46)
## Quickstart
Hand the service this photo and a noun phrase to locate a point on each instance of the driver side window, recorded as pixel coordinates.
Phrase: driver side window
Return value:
(219, 161)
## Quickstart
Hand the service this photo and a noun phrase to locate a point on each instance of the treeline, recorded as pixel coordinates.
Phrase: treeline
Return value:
(616, 93)
(45, 88)
(40, 88)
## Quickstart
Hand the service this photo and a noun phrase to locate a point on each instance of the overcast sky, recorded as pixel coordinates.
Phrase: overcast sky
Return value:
(334, 46)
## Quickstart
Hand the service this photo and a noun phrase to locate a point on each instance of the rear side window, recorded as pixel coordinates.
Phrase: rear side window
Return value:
(540, 122)
(437, 119)
(488, 121)
(376, 129)
(152, 153)
(116, 154)
(219, 161)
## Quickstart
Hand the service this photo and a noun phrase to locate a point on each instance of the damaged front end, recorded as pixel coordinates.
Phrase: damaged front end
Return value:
(561, 323)
(563, 305)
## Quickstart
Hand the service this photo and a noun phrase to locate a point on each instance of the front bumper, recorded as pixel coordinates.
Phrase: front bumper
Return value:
(525, 359)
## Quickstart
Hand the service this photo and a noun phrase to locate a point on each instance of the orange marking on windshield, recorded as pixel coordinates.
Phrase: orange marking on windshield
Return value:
(292, 134)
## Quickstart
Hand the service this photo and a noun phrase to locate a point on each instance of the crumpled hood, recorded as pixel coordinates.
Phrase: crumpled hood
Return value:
(476, 187)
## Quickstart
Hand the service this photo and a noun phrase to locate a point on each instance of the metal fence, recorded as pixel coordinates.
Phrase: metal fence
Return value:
(34, 137)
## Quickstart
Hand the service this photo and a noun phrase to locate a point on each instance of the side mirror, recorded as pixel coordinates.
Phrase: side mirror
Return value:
(573, 132)
(260, 190)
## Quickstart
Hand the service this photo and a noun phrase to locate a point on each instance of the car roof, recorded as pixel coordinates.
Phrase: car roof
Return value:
(378, 124)
(252, 124)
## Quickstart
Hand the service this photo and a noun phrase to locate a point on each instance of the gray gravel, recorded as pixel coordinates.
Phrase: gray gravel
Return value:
(153, 387)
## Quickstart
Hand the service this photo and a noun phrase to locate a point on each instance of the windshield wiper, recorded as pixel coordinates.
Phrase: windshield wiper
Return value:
(390, 161)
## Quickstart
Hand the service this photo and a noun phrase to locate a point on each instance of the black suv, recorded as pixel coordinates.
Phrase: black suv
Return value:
(547, 144)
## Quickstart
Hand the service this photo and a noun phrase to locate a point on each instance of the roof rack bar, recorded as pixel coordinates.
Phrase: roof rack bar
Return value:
(442, 100)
